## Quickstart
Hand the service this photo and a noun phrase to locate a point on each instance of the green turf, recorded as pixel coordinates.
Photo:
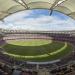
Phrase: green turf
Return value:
(33, 50)
(35, 42)
(41, 49)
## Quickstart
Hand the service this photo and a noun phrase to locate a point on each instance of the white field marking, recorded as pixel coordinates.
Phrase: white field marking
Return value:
(38, 56)
(55, 52)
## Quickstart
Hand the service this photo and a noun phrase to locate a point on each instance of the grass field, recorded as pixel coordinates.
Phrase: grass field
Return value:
(35, 42)
(37, 50)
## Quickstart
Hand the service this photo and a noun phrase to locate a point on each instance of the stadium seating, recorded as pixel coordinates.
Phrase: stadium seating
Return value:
(65, 67)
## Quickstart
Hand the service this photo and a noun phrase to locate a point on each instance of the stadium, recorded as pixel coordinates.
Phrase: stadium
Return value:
(33, 38)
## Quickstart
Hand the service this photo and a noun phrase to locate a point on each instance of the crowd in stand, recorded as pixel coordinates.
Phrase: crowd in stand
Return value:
(64, 70)
(9, 70)
(68, 69)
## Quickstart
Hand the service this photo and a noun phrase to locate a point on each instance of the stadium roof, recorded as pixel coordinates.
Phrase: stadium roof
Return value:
(8, 7)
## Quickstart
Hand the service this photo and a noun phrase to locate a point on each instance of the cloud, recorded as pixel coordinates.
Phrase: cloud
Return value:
(17, 16)
(42, 22)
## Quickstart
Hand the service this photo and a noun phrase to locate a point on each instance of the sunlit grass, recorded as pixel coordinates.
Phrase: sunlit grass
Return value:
(46, 51)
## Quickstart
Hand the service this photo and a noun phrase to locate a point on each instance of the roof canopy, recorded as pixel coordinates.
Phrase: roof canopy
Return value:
(8, 7)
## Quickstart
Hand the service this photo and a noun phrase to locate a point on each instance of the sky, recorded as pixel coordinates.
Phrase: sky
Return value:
(38, 19)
